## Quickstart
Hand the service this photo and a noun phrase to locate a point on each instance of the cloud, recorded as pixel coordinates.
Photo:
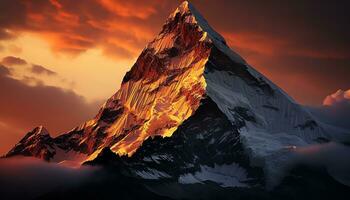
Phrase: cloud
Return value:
(6, 35)
(14, 49)
(335, 110)
(29, 178)
(11, 60)
(38, 69)
(331, 155)
(25, 106)
(339, 96)
(73, 28)
(276, 38)
(4, 71)
(129, 8)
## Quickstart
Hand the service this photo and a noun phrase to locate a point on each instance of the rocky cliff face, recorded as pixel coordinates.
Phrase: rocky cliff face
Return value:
(208, 109)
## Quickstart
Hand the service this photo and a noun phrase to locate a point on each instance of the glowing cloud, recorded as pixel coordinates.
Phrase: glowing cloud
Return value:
(339, 96)
(11, 60)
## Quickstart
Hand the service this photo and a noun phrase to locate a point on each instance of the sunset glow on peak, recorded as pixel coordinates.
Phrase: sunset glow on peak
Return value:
(160, 99)
(87, 49)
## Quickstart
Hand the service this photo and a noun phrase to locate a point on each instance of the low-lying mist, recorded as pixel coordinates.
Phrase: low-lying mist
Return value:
(28, 178)
(335, 157)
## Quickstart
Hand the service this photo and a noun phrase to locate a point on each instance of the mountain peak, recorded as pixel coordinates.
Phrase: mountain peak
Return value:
(190, 14)
(186, 64)
(184, 7)
(36, 143)
(41, 130)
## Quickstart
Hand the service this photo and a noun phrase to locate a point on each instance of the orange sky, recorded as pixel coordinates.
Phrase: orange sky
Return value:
(60, 58)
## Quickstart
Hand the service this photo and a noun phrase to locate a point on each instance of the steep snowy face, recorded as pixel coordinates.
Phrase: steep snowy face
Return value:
(269, 122)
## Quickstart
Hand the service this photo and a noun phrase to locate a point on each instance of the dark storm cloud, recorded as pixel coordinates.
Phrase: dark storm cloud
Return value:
(38, 69)
(24, 107)
(11, 60)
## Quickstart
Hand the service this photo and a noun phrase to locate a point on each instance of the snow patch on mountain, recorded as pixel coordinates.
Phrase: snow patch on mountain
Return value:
(225, 175)
(152, 174)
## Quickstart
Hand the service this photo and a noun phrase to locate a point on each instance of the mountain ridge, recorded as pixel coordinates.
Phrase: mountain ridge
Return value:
(187, 63)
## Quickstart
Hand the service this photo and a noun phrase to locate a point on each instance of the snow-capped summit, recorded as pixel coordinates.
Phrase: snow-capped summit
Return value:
(206, 107)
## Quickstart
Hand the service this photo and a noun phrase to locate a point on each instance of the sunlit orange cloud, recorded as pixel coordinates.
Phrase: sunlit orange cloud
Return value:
(66, 42)
(128, 8)
(339, 96)
(68, 19)
(138, 32)
(120, 29)
(56, 3)
(28, 105)
(73, 29)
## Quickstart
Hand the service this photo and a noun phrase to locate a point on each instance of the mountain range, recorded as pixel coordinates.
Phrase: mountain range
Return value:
(190, 112)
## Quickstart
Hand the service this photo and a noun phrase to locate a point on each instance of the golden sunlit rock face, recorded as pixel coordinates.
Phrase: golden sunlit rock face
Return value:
(164, 88)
